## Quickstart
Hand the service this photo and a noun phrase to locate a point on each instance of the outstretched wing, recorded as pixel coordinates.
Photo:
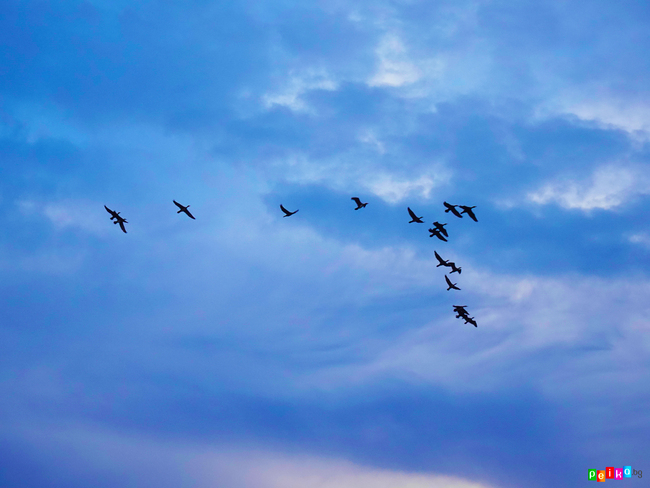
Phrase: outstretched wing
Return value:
(413, 216)
(357, 201)
(448, 282)
(178, 204)
(469, 212)
(189, 214)
(112, 212)
(121, 222)
(442, 261)
(285, 210)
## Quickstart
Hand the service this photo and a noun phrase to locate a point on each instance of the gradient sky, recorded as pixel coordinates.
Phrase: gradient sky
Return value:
(246, 350)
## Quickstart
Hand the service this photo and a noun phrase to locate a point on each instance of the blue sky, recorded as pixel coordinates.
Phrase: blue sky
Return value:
(244, 349)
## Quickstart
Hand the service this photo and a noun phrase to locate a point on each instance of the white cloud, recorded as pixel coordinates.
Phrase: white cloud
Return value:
(352, 172)
(643, 239)
(394, 68)
(631, 114)
(80, 214)
(609, 187)
(520, 320)
(82, 451)
(393, 189)
(299, 84)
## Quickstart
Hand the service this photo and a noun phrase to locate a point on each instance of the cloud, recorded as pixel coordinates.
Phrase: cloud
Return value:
(63, 214)
(394, 68)
(352, 171)
(528, 327)
(608, 188)
(642, 239)
(290, 95)
(81, 451)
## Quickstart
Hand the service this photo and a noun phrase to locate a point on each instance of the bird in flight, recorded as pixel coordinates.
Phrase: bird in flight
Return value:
(183, 209)
(460, 311)
(118, 220)
(441, 261)
(413, 217)
(436, 232)
(452, 208)
(454, 268)
(468, 211)
(470, 320)
(441, 228)
(286, 212)
(358, 202)
(450, 284)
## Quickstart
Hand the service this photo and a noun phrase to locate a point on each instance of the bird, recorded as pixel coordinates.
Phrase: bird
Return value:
(358, 202)
(468, 211)
(454, 268)
(441, 228)
(452, 208)
(441, 261)
(436, 232)
(470, 320)
(118, 220)
(183, 209)
(460, 309)
(451, 285)
(461, 313)
(287, 213)
(413, 217)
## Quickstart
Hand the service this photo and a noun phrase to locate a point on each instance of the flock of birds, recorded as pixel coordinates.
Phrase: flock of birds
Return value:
(437, 230)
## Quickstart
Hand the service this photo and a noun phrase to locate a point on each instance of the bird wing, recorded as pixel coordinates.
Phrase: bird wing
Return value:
(285, 210)
(471, 215)
(178, 204)
(121, 222)
(112, 212)
(455, 212)
(356, 199)
(442, 261)
(189, 214)
(448, 282)
(411, 213)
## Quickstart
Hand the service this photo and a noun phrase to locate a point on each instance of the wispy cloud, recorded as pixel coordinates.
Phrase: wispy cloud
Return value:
(85, 450)
(62, 214)
(353, 171)
(394, 67)
(608, 188)
(299, 83)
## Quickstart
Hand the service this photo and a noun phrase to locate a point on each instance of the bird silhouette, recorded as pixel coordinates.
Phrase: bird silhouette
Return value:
(358, 202)
(452, 208)
(450, 284)
(436, 232)
(441, 262)
(470, 320)
(460, 309)
(118, 220)
(287, 213)
(413, 217)
(468, 211)
(183, 209)
(454, 268)
(441, 228)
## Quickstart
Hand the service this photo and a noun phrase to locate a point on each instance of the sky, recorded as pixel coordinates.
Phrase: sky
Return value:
(247, 350)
